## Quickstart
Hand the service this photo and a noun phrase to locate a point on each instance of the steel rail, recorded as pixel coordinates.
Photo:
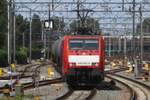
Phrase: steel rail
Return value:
(30, 85)
(19, 75)
(140, 83)
(92, 94)
(42, 83)
(66, 95)
(132, 92)
(135, 81)
(116, 70)
(23, 72)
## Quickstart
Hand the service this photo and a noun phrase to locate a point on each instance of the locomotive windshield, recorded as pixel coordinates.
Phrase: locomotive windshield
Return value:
(83, 44)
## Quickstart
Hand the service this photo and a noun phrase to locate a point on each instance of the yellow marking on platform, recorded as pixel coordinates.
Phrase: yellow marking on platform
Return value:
(1, 72)
(12, 65)
(130, 68)
(120, 62)
(37, 98)
(50, 72)
(146, 66)
(113, 64)
(5, 91)
(143, 78)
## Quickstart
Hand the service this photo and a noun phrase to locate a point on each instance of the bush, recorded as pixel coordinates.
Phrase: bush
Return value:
(3, 58)
(21, 55)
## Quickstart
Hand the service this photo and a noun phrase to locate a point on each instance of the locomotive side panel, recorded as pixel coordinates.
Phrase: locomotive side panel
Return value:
(57, 54)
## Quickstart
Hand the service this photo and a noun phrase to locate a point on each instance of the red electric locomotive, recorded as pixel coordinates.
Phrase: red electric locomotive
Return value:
(80, 59)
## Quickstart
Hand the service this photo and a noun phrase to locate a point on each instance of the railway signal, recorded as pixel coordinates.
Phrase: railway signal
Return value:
(48, 24)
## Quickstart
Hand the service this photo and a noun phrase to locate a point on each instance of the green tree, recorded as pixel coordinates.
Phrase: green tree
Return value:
(58, 23)
(90, 23)
(36, 24)
(146, 26)
(3, 22)
(22, 26)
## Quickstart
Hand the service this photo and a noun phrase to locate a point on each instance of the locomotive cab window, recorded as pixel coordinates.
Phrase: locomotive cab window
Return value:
(84, 44)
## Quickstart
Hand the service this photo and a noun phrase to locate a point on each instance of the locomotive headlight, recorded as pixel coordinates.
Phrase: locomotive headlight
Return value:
(95, 64)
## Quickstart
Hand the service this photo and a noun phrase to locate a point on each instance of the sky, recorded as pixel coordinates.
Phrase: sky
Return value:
(108, 20)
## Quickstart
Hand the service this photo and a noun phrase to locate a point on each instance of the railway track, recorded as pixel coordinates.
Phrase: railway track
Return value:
(21, 75)
(116, 70)
(78, 94)
(23, 70)
(32, 69)
(132, 92)
(42, 83)
(30, 85)
(139, 91)
(66, 95)
(92, 94)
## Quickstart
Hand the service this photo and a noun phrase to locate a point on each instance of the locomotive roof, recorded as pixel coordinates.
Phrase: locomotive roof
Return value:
(84, 36)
